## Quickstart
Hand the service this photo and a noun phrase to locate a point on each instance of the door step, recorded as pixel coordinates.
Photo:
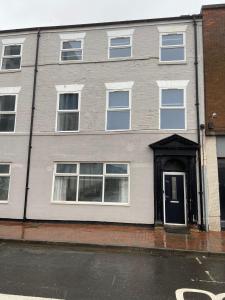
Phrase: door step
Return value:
(177, 229)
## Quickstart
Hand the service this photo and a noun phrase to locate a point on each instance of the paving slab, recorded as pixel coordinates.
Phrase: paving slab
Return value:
(107, 235)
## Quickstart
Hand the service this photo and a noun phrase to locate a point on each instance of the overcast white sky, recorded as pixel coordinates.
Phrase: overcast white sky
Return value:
(32, 13)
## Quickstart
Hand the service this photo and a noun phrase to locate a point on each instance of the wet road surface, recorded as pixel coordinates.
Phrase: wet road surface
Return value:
(61, 272)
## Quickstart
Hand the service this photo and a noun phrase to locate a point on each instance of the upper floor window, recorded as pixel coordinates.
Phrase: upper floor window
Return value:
(71, 46)
(172, 104)
(172, 47)
(118, 115)
(72, 50)
(11, 57)
(7, 113)
(68, 112)
(120, 43)
(4, 181)
(172, 43)
(68, 107)
(172, 110)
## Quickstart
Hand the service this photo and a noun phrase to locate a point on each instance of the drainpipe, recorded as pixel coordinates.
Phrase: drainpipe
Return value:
(198, 123)
(31, 126)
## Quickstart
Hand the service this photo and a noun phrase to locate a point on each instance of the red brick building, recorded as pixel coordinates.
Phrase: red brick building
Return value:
(214, 77)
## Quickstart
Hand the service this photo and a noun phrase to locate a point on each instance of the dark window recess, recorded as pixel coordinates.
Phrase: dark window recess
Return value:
(221, 169)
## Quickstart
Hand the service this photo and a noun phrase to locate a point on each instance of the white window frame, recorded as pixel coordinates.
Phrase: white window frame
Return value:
(11, 56)
(72, 49)
(72, 37)
(173, 107)
(118, 87)
(120, 34)
(176, 84)
(6, 175)
(120, 46)
(103, 176)
(161, 46)
(10, 112)
(58, 111)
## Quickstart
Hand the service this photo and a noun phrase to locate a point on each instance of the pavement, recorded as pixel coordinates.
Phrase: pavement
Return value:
(62, 272)
(117, 236)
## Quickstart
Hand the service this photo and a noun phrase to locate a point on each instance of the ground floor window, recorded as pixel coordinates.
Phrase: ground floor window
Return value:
(4, 182)
(91, 182)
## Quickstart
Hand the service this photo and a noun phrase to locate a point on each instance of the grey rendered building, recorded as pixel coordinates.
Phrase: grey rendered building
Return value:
(114, 132)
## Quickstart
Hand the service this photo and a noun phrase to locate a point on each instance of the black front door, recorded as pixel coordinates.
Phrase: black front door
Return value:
(174, 198)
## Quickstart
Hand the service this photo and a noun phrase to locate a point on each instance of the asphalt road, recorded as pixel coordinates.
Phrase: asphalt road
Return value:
(71, 274)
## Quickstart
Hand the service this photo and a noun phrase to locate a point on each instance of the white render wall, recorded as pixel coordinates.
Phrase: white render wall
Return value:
(14, 146)
(131, 148)
(92, 143)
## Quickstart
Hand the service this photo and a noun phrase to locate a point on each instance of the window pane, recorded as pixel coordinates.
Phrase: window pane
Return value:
(174, 188)
(173, 97)
(66, 168)
(12, 50)
(68, 121)
(91, 168)
(119, 99)
(11, 63)
(172, 39)
(120, 41)
(170, 54)
(7, 123)
(116, 189)
(7, 103)
(116, 169)
(172, 119)
(4, 188)
(71, 44)
(72, 55)
(120, 52)
(90, 189)
(118, 120)
(68, 101)
(65, 188)
(4, 169)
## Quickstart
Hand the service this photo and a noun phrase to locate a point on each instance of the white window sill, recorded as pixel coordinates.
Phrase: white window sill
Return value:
(70, 62)
(7, 132)
(90, 203)
(181, 62)
(4, 202)
(117, 130)
(120, 58)
(168, 130)
(66, 132)
(10, 71)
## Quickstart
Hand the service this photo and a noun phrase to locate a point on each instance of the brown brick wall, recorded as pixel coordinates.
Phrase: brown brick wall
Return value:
(214, 67)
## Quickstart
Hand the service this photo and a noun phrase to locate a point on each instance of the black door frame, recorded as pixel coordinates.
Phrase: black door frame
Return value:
(179, 149)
